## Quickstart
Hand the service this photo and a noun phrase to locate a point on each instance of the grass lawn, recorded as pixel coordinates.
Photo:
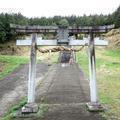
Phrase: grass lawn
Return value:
(108, 78)
(12, 111)
(9, 63)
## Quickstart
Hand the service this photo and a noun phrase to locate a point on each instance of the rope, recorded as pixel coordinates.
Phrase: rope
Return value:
(60, 48)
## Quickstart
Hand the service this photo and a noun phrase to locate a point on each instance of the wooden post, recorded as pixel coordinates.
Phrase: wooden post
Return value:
(32, 71)
(50, 53)
(74, 55)
(49, 57)
(94, 104)
(92, 70)
(31, 106)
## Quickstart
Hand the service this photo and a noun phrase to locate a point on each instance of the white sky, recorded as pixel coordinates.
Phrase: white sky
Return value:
(48, 8)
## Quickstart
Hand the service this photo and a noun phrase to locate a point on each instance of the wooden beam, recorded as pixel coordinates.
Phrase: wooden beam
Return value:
(54, 42)
(38, 42)
(86, 42)
(55, 29)
(35, 27)
(93, 29)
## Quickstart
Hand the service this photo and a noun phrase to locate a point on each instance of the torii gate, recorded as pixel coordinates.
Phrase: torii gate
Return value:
(63, 39)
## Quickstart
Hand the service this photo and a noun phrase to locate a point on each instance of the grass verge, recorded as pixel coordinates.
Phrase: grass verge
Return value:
(108, 78)
(10, 63)
(10, 114)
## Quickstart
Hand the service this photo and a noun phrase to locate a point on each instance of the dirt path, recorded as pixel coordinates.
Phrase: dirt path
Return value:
(65, 91)
(14, 86)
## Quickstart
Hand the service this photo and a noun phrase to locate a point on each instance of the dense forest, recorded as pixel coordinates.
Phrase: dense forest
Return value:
(6, 34)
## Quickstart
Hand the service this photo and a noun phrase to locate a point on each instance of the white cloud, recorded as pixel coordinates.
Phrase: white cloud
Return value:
(48, 8)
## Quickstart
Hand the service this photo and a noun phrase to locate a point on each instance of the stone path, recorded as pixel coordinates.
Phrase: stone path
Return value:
(67, 95)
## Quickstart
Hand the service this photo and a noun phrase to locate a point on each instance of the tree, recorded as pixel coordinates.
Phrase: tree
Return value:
(116, 16)
(7, 34)
(63, 23)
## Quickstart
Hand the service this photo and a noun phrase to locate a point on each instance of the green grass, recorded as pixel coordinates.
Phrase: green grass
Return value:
(10, 63)
(11, 114)
(108, 79)
(82, 59)
(12, 111)
(113, 53)
(54, 58)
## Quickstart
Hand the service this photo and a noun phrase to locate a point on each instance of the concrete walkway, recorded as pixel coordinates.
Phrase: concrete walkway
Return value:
(67, 95)
(65, 91)
(68, 86)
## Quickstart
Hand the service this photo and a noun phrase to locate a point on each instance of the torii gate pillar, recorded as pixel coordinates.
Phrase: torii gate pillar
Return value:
(94, 104)
(31, 106)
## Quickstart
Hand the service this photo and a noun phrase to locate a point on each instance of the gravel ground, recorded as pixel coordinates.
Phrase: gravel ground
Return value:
(14, 86)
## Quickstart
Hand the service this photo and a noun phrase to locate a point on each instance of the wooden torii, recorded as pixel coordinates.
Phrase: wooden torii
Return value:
(62, 39)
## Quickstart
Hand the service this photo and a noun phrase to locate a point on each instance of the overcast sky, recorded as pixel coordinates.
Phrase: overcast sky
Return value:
(49, 8)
